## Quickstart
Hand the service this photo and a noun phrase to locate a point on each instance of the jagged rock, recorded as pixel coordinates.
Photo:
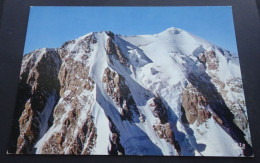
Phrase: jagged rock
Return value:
(165, 132)
(73, 80)
(159, 110)
(110, 34)
(28, 131)
(163, 129)
(111, 47)
(67, 43)
(209, 58)
(116, 147)
(114, 50)
(65, 139)
(120, 93)
(236, 107)
(74, 77)
(42, 82)
(202, 58)
(194, 105)
(86, 43)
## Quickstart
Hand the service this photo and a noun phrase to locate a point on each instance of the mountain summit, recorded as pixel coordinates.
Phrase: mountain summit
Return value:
(170, 93)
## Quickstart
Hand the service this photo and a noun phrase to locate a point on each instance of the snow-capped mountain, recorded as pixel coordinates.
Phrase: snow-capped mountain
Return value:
(170, 93)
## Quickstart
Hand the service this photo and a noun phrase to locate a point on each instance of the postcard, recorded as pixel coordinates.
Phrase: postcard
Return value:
(158, 81)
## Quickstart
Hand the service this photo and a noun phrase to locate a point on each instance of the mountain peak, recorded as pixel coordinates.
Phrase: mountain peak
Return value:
(172, 30)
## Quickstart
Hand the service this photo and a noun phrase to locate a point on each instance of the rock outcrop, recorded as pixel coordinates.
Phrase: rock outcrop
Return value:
(117, 89)
(209, 58)
(194, 105)
(163, 128)
(114, 50)
(40, 79)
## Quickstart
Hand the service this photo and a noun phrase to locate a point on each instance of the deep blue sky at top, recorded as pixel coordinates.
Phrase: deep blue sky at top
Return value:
(52, 26)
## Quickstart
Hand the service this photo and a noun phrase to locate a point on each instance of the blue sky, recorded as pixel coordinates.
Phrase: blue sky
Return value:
(52, 26)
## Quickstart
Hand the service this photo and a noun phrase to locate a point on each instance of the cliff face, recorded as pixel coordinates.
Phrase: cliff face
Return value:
(169, 94)
(38, 94)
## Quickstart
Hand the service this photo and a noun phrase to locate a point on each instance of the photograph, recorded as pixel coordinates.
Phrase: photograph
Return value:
(140, 81)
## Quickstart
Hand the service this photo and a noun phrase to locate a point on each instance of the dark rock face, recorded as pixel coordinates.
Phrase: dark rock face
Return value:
(222, 111)
(67, 43)
(85, 44)
(110, 34)
(159, 109)
(165, 132)
(27, 131)
(69, 79)
(194, 105)
(237, 109)
(233, 85)
(163, 128)
(72, 138)
(120, 93)
(114, 50)
(40, 80)
(48, 75)
(116, 147)
(209, 58)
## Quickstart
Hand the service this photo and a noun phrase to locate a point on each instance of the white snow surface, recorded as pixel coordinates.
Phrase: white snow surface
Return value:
(158, 66)
(223, 144)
